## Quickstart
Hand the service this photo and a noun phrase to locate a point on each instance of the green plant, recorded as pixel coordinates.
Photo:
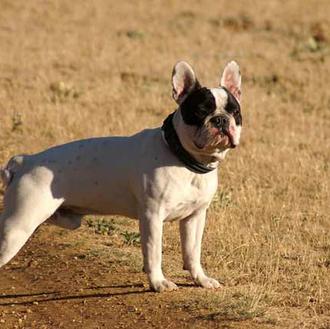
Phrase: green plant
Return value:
(101, 226)
(131, 238)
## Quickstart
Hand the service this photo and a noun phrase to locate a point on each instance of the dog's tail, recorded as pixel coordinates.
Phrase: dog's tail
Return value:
(7, 173)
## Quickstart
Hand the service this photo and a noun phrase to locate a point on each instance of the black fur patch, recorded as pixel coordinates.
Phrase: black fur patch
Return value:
(197, 106)
(233, 107)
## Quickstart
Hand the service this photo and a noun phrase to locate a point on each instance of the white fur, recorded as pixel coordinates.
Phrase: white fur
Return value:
(236, 132)
(220, 96)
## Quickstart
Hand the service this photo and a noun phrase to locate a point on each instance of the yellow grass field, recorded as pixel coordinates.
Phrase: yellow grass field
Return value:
(76, 69)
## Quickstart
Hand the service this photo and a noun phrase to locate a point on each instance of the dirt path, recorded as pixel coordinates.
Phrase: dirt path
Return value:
(49, 286)
(61, 291)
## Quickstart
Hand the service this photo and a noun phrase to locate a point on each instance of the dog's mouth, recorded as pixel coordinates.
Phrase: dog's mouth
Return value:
(222, 134)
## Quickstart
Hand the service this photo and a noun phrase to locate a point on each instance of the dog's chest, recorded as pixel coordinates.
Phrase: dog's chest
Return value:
(187, 197)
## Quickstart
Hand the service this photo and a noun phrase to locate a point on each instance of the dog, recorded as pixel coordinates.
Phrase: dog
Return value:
(158, 175)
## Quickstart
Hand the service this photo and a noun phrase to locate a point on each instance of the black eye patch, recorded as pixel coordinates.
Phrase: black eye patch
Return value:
(233, 107)
(197, 106)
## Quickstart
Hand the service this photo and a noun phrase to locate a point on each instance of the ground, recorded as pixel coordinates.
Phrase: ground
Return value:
(77, 69)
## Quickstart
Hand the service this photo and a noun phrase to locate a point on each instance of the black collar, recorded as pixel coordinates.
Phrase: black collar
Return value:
(178, 150)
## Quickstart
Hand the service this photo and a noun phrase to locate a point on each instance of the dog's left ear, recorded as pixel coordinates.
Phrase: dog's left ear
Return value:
(231, 79)
(183, 81)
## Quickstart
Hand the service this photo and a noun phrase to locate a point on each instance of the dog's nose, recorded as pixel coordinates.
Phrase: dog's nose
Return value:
(221, 122)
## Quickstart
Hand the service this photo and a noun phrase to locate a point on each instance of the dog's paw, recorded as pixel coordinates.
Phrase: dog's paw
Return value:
(208, 283)
(163, 285)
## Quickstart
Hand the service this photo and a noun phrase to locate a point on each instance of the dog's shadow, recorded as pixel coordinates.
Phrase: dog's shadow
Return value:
(50, 296)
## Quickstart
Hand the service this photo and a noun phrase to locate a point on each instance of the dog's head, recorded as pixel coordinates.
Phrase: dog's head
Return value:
(210, 118)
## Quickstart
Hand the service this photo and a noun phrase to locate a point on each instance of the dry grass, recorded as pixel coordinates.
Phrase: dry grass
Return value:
(79, 69)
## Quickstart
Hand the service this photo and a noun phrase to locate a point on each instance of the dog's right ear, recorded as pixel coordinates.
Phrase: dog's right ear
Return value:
(183, 81)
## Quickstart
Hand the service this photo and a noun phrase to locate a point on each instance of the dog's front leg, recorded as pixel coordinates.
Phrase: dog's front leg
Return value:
(151, 229)
(191, 232)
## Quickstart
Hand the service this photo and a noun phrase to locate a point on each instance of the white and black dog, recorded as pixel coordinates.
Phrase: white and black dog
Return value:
(157, 175)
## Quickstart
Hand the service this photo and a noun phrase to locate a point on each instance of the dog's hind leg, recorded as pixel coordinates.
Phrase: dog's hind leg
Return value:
(12, 237)
(25, 209)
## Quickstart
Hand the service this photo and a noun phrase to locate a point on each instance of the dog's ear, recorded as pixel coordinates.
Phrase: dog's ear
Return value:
(231, 79)
(183, 81)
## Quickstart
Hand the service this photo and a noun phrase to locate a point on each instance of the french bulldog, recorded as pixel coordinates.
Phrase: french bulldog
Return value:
(155, 176)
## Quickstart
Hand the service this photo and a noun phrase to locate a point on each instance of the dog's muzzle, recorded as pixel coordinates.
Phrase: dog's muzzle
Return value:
(222, 123)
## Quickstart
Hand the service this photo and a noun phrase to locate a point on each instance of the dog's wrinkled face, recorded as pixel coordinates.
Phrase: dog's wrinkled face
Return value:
(216, 117)
(212, 117)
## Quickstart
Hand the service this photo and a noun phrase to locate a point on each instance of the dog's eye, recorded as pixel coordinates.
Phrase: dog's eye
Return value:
(201, 111)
